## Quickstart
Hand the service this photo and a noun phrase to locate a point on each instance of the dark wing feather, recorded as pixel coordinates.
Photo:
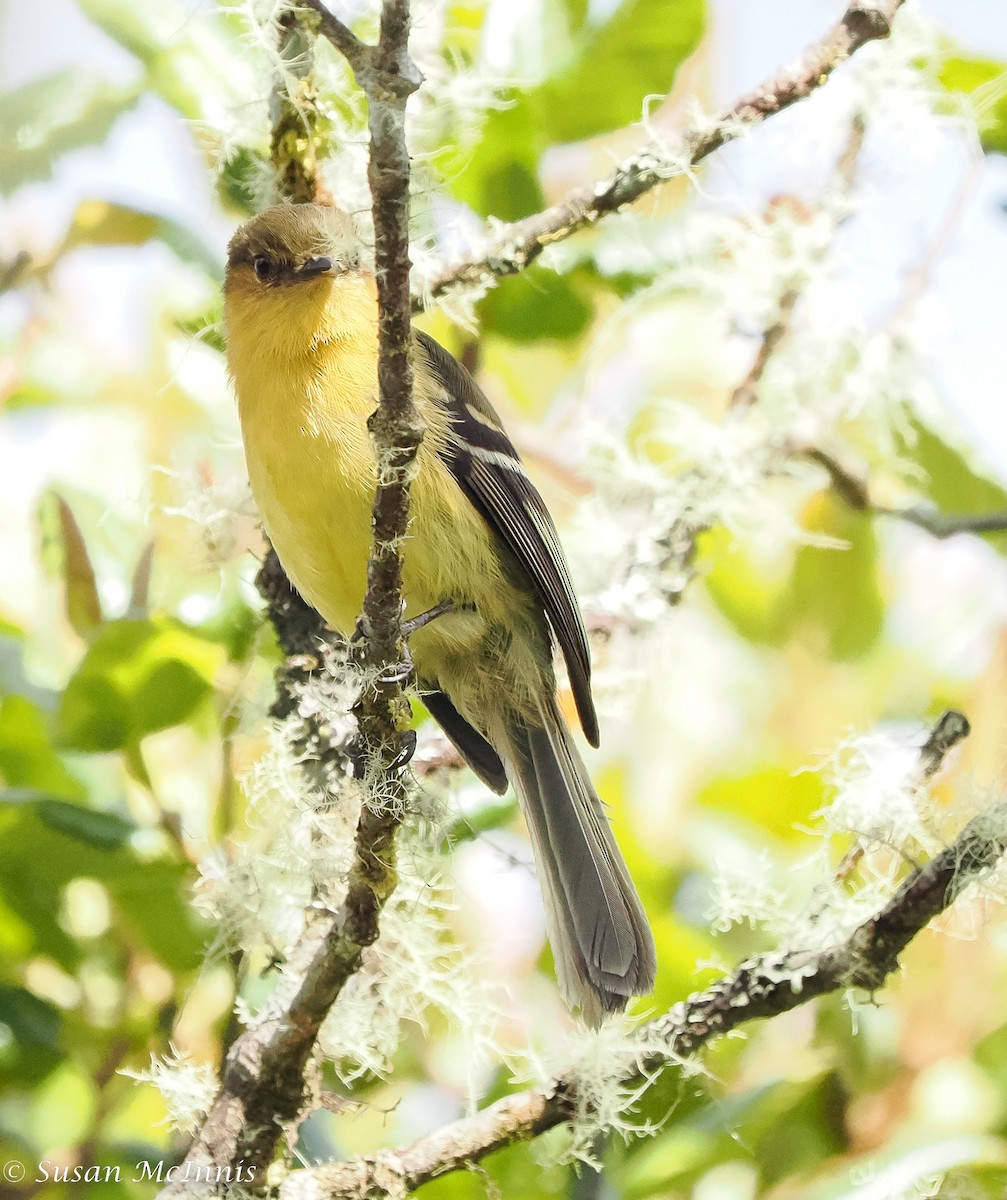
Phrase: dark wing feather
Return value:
(469, 743)
(489, 470)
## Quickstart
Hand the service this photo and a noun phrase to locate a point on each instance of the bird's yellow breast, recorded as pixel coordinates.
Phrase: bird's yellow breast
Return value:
(306, 382)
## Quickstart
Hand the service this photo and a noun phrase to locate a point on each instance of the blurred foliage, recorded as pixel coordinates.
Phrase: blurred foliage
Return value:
(135, 672)
(948, 481)
(984, 81)
(598, 78)
(46, 118)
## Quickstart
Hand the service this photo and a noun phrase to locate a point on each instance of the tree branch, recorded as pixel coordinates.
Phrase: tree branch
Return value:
(388, 77)
(263, 1085)
(747, 392)
(356, 52)
(765, 986)
(518, 244)
(854, 492)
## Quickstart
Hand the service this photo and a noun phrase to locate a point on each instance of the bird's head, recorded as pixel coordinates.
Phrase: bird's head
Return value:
(294, 276)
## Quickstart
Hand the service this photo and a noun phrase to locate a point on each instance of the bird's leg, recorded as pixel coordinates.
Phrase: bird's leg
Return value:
(402, 671)
(424, 618)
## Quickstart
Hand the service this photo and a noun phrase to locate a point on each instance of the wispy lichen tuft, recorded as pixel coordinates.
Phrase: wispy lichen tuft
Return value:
(186, 1086)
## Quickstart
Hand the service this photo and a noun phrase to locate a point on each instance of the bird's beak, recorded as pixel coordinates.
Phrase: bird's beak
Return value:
(315, 267)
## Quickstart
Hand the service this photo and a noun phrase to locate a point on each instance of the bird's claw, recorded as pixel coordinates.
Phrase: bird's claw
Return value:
(358, 760)
(407, 748)
(400, 672)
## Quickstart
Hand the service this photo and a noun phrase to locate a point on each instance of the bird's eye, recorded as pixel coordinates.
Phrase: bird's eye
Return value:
(263, 268)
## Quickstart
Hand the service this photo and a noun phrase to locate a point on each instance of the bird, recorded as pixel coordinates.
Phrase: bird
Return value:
(301, 323)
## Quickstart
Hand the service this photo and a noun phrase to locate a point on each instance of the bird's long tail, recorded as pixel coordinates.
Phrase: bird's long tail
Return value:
(601, 941)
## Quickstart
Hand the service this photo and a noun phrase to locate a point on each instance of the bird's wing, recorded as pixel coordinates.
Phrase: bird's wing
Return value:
(467, 740)
(488, 469)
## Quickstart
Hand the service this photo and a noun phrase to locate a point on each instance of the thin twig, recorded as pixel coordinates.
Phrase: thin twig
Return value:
(777, 332)
(945, 525)
(14, 271)
(356, 52)
(855, 493)
(747, 392)
(952, 728)
(512, 248)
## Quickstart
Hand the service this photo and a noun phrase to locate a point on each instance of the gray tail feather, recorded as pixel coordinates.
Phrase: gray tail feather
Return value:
(601, 940)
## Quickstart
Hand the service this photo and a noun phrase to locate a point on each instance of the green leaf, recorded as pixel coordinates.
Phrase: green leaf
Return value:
(195, 66)
(206, 327)
(239, 181)
(28, 757)
(599, 84)
(139, 676)
(576, 12)
(29, 1018)
(775, 800)
(48, 117)
(499, 177)
(83, 605)
(237, 627)
(985, 81)
(106, 831)
(745, 1126)
(151, 903)
(635, 54)
(745, 593)
(493, 815)
(102, 223)
(44, 844)
(33, 1050)
(834, 593)
(534, 306)
(949, 482)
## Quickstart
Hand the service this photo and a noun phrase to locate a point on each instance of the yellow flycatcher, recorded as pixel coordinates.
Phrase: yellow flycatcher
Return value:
(301, 316)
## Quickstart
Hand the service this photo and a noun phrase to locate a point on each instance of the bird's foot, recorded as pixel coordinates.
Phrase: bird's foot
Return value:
(400, 672)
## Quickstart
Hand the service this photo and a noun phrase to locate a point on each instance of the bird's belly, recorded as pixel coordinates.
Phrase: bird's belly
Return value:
(315, 495)
(314, 483)
(319, 521)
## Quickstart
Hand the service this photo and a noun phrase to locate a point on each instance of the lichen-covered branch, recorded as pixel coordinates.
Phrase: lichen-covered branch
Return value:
(263, 1084)
(772, 984)
(388, 77)
(766, 986)
(295, 138)
(513, 247)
